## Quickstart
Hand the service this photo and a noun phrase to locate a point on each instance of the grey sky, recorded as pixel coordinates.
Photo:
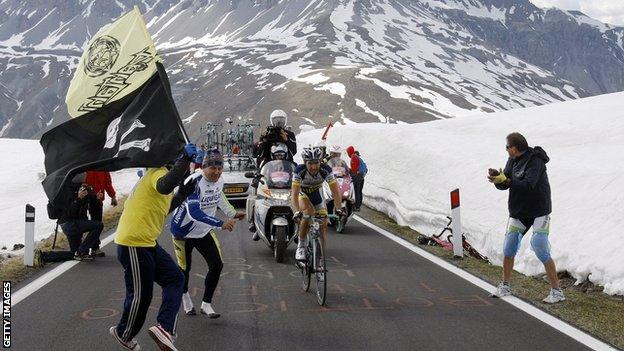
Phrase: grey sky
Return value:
(608, 11)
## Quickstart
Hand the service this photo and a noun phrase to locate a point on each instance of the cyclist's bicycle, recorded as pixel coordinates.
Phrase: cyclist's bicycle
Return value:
(437, 239)
(314, 265)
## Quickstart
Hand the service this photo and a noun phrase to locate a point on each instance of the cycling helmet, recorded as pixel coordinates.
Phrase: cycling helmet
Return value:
(278, 118)
(279, 151)
(312, 153)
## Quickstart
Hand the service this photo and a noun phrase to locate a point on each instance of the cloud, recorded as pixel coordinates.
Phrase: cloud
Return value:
(608, 11)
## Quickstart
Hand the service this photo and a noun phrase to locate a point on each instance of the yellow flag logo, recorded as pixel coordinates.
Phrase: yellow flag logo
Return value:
(120, 58)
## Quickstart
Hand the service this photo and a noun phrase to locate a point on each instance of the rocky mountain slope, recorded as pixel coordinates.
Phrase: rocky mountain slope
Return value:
(392, 61)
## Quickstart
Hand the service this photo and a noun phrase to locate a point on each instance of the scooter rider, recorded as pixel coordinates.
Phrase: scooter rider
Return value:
(306, 194)
(279, 151)
(335, 152)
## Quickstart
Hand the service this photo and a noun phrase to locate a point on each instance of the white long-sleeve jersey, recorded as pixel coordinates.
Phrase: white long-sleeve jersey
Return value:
(195, 217)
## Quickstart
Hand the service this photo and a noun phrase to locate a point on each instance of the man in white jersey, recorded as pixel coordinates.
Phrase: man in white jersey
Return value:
(193, 225)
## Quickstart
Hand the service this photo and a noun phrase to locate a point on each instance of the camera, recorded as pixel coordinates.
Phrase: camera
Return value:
(273, 134)
(86, 187)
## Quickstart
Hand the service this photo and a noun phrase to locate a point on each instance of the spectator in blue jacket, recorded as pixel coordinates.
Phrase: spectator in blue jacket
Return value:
(529, 206)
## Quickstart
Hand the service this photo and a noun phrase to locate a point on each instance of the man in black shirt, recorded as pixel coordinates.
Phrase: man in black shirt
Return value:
(276, 132)
(75, 223)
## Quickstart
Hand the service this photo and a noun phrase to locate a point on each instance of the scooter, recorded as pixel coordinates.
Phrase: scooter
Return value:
(272, 214)
(345, 186)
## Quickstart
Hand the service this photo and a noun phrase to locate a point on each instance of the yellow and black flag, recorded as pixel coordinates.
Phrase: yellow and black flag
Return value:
(122, 109)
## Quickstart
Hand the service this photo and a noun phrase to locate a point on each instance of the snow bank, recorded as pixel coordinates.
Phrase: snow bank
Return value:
(412, 169)
(21, 176)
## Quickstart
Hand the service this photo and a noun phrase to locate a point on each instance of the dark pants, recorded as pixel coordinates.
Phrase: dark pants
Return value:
(358, 185)
(57, 256)
(96, 209)
(74, 231)
(142, 267)
(209, 249)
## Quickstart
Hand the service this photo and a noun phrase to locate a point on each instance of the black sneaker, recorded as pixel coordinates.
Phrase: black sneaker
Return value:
(252, 228)
(97, 253)
(255, 236)
(83, 257)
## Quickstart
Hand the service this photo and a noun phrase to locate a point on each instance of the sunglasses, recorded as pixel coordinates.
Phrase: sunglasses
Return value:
(507, 147)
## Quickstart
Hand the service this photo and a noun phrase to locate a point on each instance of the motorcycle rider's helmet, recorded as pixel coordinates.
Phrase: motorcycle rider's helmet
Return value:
(278, 118)
(335, 151)
(279, 151)
(312, 153)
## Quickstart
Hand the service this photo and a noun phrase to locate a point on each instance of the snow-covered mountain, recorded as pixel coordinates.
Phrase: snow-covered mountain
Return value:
(358, 60)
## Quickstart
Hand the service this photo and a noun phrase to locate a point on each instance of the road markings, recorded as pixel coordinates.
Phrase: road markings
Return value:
(545, 317)
(40, 282)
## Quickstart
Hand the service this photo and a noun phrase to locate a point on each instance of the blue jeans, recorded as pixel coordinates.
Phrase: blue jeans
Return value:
(74, 231)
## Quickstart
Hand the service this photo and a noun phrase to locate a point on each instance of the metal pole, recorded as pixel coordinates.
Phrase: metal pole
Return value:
(29, 236)
(55, 232)
(458, 248)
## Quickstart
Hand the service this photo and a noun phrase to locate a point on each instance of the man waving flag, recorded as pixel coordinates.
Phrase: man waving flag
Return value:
(122, 109)
(124, 116)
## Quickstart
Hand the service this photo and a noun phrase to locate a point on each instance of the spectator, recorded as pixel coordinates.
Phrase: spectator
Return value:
(194, 225)
(358, 172)
(144, 261)
(100, 182)
(75, 223)
(529, 206)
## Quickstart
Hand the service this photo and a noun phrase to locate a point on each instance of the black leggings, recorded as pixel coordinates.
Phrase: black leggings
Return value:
(209, 249)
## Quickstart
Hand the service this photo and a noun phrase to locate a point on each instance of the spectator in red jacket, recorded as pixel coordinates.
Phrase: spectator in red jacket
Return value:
(101, 183)
(357, 176)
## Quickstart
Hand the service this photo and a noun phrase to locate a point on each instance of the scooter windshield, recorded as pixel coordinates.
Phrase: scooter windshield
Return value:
(277, 174)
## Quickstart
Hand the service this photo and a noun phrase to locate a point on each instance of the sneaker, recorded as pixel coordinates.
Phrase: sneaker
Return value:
(502, 290)
(97, 253)
(556, 295)
(252, 228)
(206, 309)
(130, 345)
(255, 236)
(38, 259)
(187, 303)
(83, 257)
(300, 254)
(162, 338)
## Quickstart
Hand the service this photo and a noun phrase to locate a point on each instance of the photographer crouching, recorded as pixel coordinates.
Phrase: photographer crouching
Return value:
(75, 223)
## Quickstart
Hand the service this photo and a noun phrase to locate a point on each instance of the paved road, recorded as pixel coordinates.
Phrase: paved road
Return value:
(382, 297)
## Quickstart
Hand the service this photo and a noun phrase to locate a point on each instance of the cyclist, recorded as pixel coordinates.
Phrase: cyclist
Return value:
(306, 194)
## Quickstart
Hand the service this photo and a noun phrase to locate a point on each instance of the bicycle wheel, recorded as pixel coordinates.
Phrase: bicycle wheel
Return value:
(320, 273)
(306, 273)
